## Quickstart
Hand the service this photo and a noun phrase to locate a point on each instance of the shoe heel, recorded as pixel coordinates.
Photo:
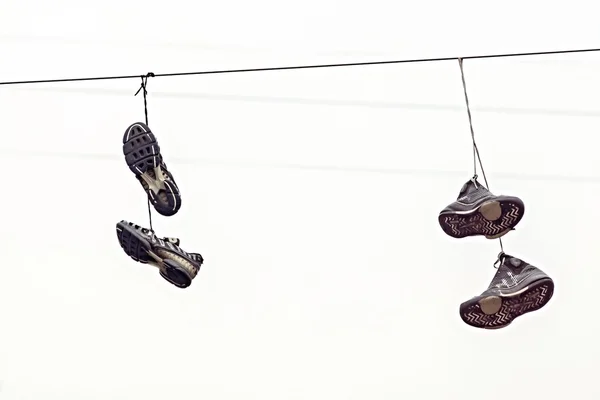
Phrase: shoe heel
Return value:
(490, 305)
(491, 210)
(175, 274)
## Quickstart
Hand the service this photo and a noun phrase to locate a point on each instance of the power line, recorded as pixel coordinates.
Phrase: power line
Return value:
(298, 67)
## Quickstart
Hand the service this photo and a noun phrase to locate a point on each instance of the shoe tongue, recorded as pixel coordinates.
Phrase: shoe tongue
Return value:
(513, 262)
(464, 189)
(509, 268)
(510, 263)
(174, 241)
(472, 185)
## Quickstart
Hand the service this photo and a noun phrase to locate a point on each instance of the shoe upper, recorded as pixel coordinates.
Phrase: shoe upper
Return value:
(169, 247)
(513, 274)
(172, 245)
(471, 195)
(176, 242)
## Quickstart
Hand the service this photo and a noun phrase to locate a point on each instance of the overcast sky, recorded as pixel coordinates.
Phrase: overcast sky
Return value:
(313, 196)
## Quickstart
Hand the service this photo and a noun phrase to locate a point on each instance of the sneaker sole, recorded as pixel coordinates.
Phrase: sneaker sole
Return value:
(492, 219)
(142, 155)
(495, 312)
(139, 248)
(135, 245)
(175, 274)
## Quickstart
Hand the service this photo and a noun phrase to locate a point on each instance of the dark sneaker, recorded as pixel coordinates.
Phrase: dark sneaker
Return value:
(478, 212)
(175, 265)
(143, 157)
(517, 288)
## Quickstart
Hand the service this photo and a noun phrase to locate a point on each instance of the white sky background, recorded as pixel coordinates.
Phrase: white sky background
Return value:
(313, 196)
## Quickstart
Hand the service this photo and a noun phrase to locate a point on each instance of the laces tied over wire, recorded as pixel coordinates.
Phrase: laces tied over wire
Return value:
(143, 89)
(476, 155)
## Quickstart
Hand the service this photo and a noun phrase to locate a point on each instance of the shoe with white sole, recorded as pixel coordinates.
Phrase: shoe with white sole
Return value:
(175, 265)
(478, 212)
(517, 288)
(144, 159)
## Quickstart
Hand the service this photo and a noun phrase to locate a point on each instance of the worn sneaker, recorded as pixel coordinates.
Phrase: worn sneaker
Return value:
(175, 265)
(517, 288)
(143, 157)
(478, 212)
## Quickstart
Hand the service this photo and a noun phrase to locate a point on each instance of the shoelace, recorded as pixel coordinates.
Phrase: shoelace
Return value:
(474, 180)
(151, 233)
(500, 260)
(173, 241)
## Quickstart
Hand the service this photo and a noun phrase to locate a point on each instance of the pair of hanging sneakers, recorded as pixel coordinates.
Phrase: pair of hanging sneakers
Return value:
(517, 287)
(142, 155)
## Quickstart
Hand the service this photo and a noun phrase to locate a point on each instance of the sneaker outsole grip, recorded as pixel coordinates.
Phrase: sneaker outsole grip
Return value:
(135, 245)
(144, 159)
(484, 220)
(141, 150)
(497, 311)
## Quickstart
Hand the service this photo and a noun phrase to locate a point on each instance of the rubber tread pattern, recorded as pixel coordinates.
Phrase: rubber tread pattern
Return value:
(535, 297)
(142, 155)
(474, 224)
(133, 242)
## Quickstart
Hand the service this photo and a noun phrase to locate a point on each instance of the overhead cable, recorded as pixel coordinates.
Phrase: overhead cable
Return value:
(299, 67)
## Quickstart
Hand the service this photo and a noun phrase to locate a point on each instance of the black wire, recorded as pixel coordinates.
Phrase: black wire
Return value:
(476, 155)
(145, 93)
(314, 66)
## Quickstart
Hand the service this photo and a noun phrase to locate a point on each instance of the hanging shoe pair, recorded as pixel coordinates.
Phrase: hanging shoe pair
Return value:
(143, 157)
(517, 287)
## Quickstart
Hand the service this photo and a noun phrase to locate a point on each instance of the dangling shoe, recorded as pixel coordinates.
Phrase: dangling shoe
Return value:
(517, 288)
(143, 157)
(175, 265)
(478, 212)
